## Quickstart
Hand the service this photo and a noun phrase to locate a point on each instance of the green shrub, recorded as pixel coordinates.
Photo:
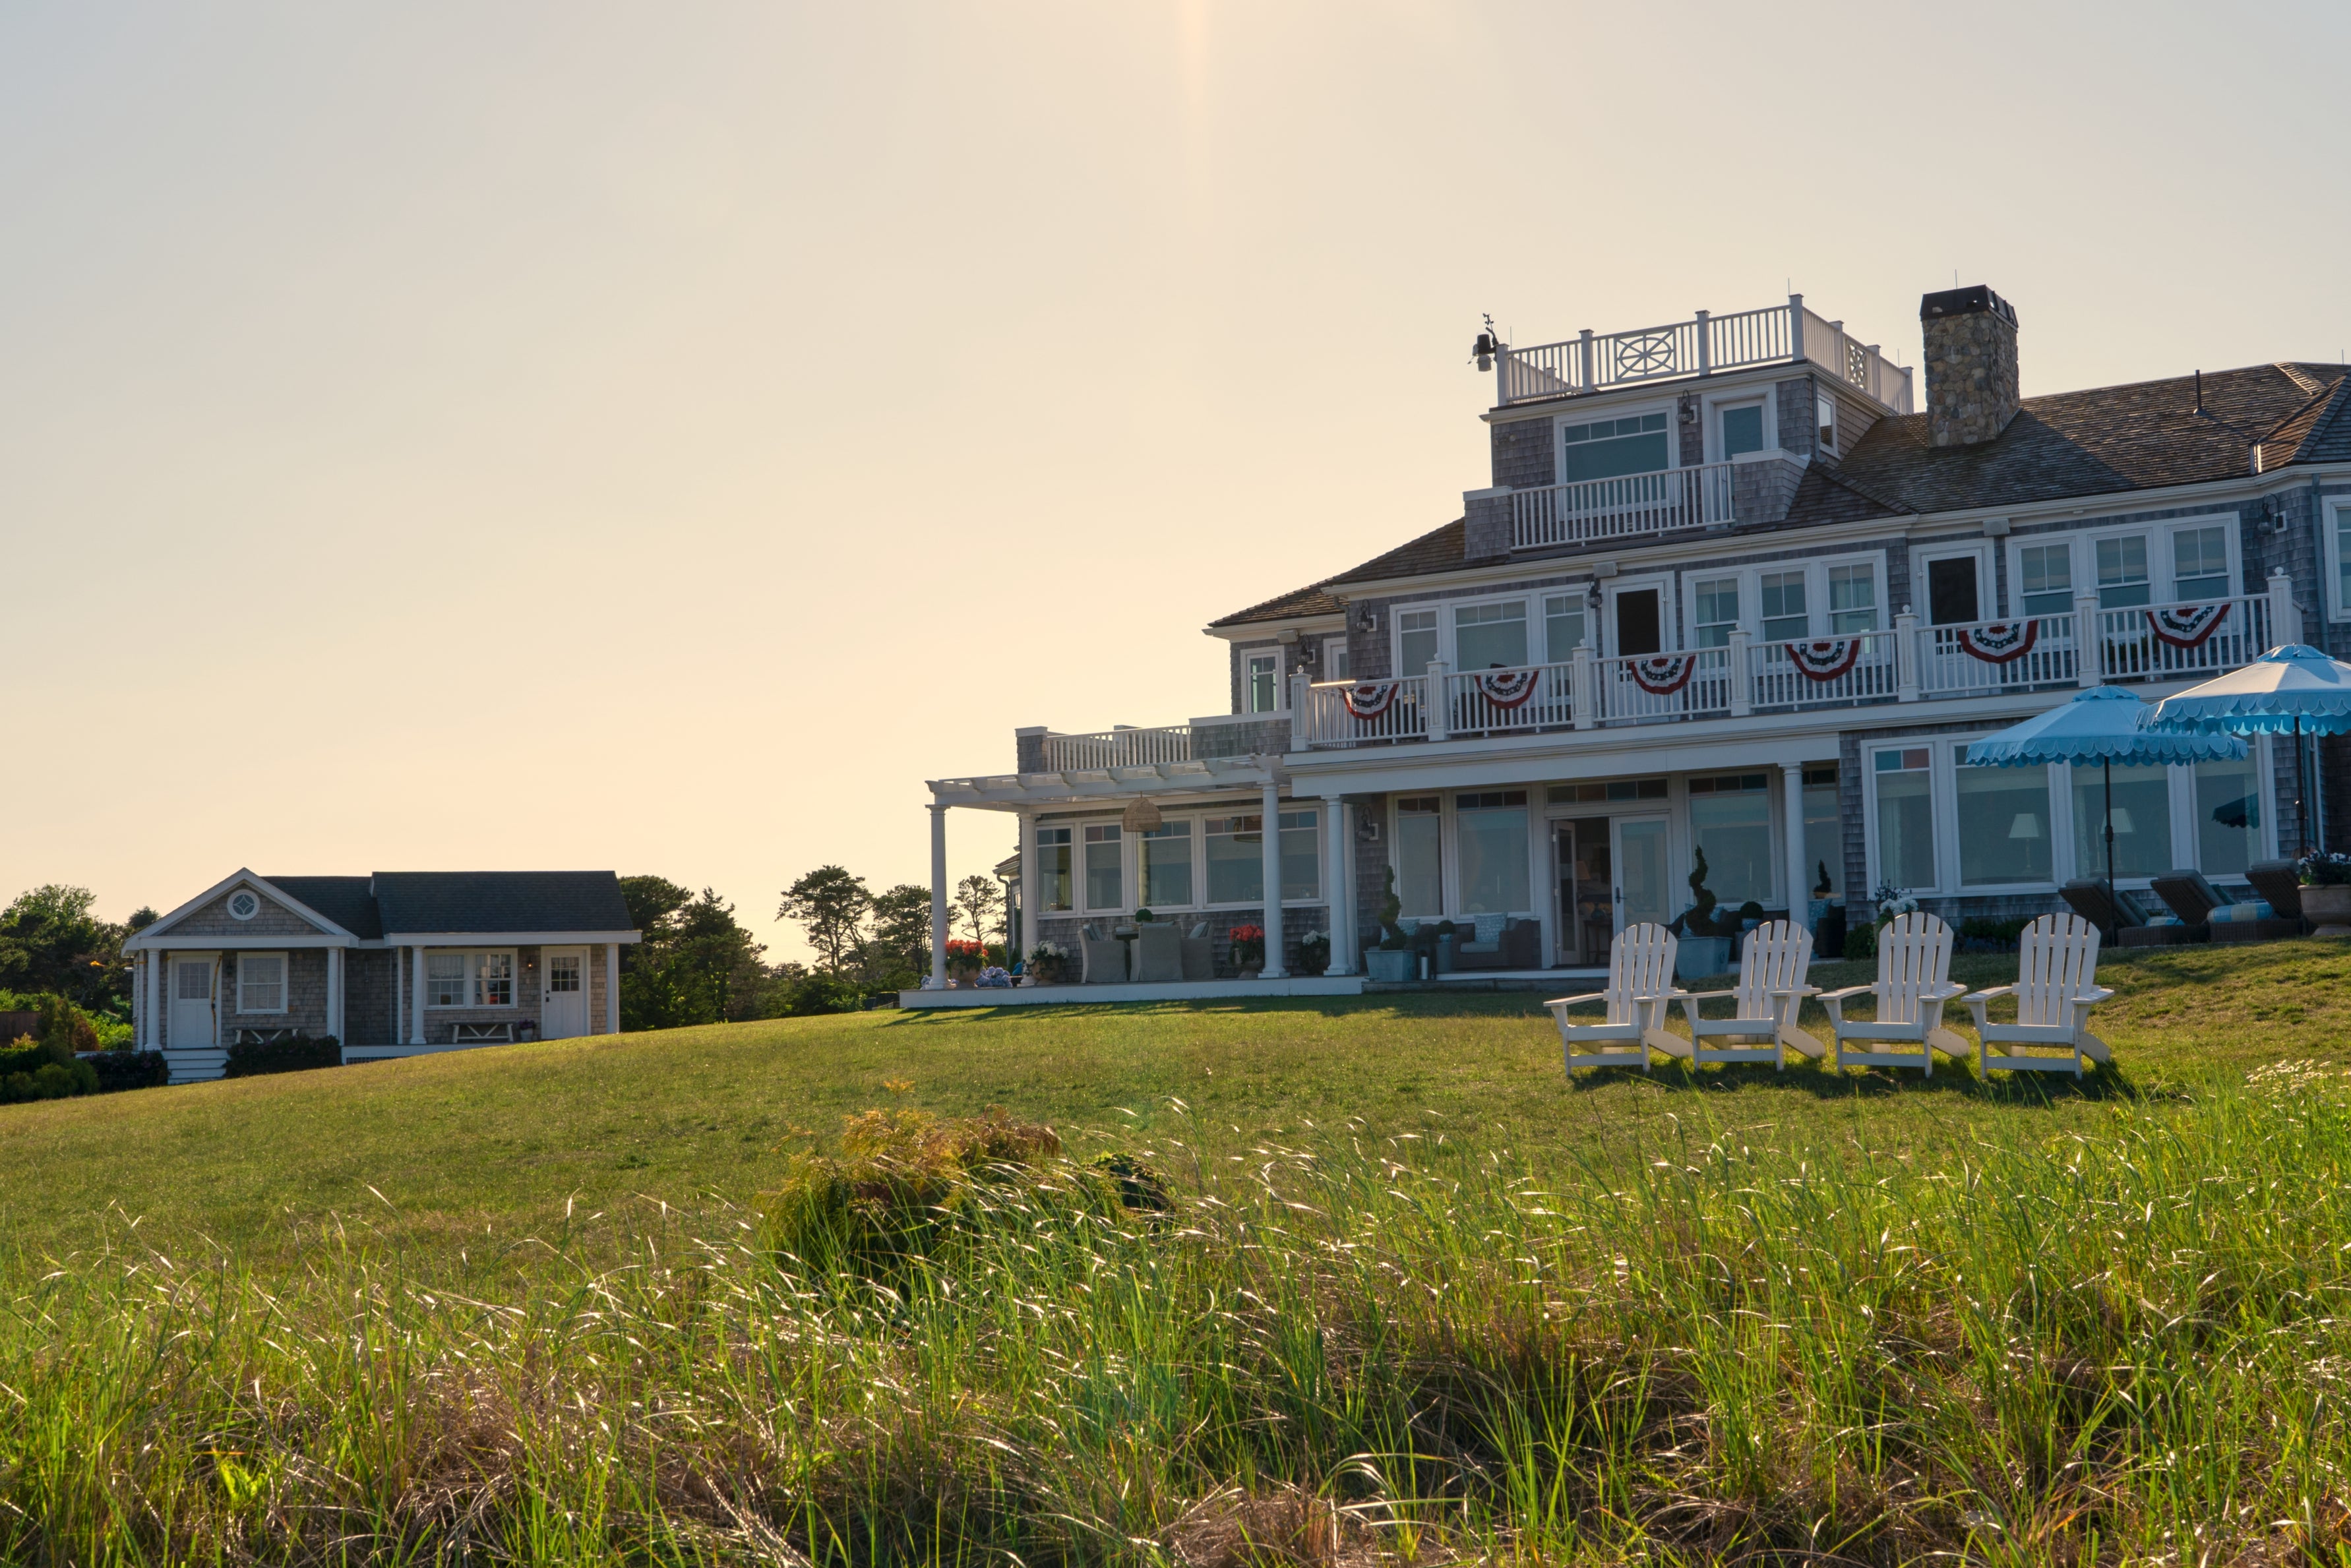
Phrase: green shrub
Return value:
(119, 1070)
(1861, 943)
(298, 1054)
(905, 1183)
(49, 1080)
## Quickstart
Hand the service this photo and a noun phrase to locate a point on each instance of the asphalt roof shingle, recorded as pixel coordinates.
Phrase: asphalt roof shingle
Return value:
(498, 900)
(345, 900)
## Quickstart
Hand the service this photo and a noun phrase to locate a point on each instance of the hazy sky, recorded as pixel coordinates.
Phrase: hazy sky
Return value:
(441, 437)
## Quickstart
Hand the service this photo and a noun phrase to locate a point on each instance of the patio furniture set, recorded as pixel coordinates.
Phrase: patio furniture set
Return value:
(2198, 911)
(2055, 987)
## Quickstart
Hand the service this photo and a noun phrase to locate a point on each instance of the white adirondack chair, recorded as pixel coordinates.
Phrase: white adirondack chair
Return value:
(1913, 968)
(2057, 986)
(1770, 992)
(1640, 987)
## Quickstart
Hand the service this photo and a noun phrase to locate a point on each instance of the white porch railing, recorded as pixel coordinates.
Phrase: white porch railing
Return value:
(1470, 710)
(2050, 656)
(1617, 508)
(1118, 748)
(1625, 689)
(1874, 676)
(2137, 645)
(1700, 346)
(1326, 719)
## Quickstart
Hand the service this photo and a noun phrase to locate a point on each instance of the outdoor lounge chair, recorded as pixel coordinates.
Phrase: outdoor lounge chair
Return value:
(1771, 991)
(2277, 884)
(1201, 954)
(1158, 952)
(1105, 959)
(2126, 916)
(1914, 969)
(1640, 987)
(2057, 986)
(2186, 894)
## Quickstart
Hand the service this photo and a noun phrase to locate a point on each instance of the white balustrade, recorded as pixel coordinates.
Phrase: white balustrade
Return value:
(1635, 504)
(1470, 710)
(1328, 721)
(1699, 690)
(1779, 682)
(2143, 642)
(1946, 667)
(1861, 366)
(1700, 346)
(1118, 748)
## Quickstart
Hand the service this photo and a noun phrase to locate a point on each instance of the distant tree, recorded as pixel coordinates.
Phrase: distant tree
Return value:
(653, 903)
(696, 962)
(898, 948)
(832, 904)
(140, 918)
(49, 941)
(979, 899)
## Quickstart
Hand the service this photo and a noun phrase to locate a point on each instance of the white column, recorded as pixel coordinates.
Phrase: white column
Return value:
(1799, 874)
(938, 980)
(1905, 656)
(137, 1001)
(1028, 932)
(611, 988)
(416, 996)
(335, 992)
(1273, 846)
(2087, 658)
(2286, 617)
(1741, 688)
(1335, 889)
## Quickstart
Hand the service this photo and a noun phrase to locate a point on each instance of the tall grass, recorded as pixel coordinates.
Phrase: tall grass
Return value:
(2120, 1345)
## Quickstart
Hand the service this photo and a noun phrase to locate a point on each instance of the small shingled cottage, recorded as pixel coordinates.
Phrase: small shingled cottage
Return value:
(394, 964)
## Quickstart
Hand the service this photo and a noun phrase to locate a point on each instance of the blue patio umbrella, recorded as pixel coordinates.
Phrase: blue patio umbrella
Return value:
(2106, 726)
(2294, 689)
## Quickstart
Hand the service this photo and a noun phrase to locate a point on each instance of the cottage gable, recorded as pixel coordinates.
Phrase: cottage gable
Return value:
(244, 908)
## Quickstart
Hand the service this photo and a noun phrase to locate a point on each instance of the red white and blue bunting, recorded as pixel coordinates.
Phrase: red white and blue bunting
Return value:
(1662, 674)
(1505, 688)
(1826, 658)
(2000, 641)
(2186, 625)
(1370, 699)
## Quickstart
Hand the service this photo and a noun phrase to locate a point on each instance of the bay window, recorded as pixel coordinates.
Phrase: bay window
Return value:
(1167, 855)
(1486, 635)
(1491, 828)
(1054, 890)
(1105, 881)
(2003, 827)
(1730, 822)
(261, 983)
(1236, 857)
(1420, 855)
(1903, 781)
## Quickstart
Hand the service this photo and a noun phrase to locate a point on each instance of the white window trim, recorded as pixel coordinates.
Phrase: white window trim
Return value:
(1711, 411)
(1946, 830)
(1816, 591)
(2162, 587)
(1670, 408)
(1530, 616)
(1979, 551)
(1937, 760)
(1333, 646)
(1672, 614)
(1131, 881)
(1835, 446)
(1774, 827)
(284, 982)
(1396, 634)
(474, 957)
(1081, 881)
(2336, 514)
(1076, 839)
(1248, 684)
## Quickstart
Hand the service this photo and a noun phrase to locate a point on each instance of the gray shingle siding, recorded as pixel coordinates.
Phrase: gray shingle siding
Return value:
(1522, 453)
(215, 920)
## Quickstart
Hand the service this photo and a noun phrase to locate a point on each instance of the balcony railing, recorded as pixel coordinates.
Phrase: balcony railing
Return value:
(1701, 346)
(1124, 747)
(1910, 662)
(1596, 510)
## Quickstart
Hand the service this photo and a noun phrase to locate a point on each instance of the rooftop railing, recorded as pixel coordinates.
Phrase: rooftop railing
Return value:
(1701, 346)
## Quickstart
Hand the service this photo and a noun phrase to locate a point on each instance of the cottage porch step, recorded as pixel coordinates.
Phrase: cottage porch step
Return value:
(196, 1066)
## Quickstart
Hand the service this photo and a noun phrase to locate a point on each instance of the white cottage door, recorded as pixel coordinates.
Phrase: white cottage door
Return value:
(193, 1025)
(563, 993)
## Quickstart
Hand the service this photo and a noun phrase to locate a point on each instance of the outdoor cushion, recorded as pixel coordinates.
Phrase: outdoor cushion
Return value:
(2281, 884)
(1158, 953)
(2088, 898)
(1198, 931)
(1489, 927)
(1200, 955)
(1105, 960)
(2190, 897)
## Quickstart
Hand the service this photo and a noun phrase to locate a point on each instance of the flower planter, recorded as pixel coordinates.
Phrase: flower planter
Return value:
(1391, 967)
(1698, 956)
(2328, 909)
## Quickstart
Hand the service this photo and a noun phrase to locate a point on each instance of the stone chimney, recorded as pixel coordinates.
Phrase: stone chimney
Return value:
(1970, 364)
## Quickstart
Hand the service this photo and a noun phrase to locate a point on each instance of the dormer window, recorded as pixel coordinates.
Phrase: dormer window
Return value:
(1740, 430)
(1264, 683)
(1825, 414)
(1612, 448)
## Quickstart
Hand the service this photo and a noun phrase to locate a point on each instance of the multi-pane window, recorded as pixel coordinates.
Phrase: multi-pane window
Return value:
(1742, 430)
(2199, 564)
(469, 979)
(2122, 572)
(1613, 789)
(1730, 820)
(563, 974)
(2227, 816)
(2045, 579)
(1420, 855)
(1716, 614)
(1853, 599)
(1301, 855)
(1564, 629)
(1236, 857)
(1784, 616)
(1416, 641)
(1264, 683)
(1166, 855)
(1903, 778)
(1486, 635)
(2343, 560)
(2141, 818)
(1053, 889)
(1491, 828)
(261, 983)
(2004, 826)
(1612, 448)
(1105, 883)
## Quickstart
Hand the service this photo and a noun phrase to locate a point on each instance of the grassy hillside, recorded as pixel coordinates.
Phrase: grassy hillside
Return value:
(502, 1142)
(1417, 1300)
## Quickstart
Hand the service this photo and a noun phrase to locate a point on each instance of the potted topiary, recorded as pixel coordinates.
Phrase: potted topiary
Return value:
(1393, 958)
(2325, 879)
(1704, 944)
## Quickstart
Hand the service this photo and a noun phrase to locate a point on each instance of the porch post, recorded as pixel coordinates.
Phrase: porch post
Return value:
(1792, 778)
(2087, 658)
(611, 988)
(1905, 656)
(416, 996)
(1028, 932)
(2286, 617)
(1272, 847)
(137, 1001)
(1741, 688)
(335, 993)
(1338, 887)
(938, 980)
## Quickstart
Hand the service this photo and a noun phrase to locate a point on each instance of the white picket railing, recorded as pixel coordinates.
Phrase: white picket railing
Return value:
(1326, 720)
(1622, 696)
(2130, 647)
(1596, 509)
(1118, 748)
(1945, 668)
(1550, 705)
(1700, 346)
(1875, 676)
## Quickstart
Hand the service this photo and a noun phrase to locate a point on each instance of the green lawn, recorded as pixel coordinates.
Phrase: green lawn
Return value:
(501, 1142)
(1417, 1299)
